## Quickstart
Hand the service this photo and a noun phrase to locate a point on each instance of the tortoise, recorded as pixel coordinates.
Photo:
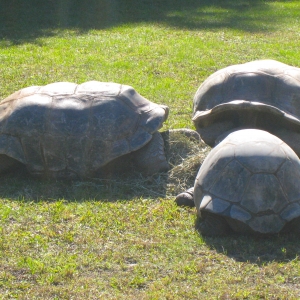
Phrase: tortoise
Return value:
(262, 94)
(249, 183)
(68, 130)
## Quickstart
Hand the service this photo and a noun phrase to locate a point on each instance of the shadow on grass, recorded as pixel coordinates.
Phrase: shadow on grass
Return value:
(259, 250)
(21, 186)
(24, 21)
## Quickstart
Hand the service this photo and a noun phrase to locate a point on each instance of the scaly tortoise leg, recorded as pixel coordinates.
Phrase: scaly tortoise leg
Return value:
(8, 164)
(151, 158)
(186, 198)
(11, 153)
(213, 225)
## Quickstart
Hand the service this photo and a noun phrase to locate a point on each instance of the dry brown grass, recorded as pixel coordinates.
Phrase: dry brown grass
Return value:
(185, 155)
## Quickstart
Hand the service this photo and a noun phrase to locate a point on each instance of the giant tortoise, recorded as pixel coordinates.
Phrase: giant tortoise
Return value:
(66, 130)
(263, 94)
(249, 183)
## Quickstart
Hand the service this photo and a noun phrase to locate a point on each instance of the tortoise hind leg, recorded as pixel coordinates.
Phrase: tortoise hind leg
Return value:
(213, 225)
(186, 198)
(293, 226)
(11, 153)
(8, 164)
(151, 158)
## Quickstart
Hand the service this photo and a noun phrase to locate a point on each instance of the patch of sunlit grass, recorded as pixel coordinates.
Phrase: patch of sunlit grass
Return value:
(125, 238)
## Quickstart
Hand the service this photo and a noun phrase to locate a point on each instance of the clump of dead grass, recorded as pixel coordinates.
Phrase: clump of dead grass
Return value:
(185, 155)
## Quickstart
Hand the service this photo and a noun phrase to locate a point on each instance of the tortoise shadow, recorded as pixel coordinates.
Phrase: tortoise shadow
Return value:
(21, 186)
(25, 21)
(259, 250)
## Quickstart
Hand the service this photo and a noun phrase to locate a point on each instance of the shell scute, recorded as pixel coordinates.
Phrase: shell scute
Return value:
(27, 116)
(289, 178)
(34, 158)
(291, 212)
(231, 182)
(111, 120)
(58, 88)
(250, 86)
(217, 205)
(67, 116)
(238, 213)
(267, 224)
(53, 152)
(104, 89)
(260, 156)
(263, 194)
(216, 160)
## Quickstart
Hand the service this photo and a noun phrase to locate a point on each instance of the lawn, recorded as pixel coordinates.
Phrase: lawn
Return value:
(125, 238)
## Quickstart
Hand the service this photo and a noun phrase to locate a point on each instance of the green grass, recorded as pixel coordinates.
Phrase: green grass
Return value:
(112, 240)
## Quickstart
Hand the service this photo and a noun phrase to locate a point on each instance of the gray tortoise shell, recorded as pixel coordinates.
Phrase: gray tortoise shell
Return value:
(66, 127)
(266, 86)
(251, 176)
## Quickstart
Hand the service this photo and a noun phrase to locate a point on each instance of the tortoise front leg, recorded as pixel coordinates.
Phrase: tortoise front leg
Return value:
(151, 158)
(8, 164)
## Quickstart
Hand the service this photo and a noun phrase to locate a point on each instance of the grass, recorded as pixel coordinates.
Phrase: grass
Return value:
(126, 238)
